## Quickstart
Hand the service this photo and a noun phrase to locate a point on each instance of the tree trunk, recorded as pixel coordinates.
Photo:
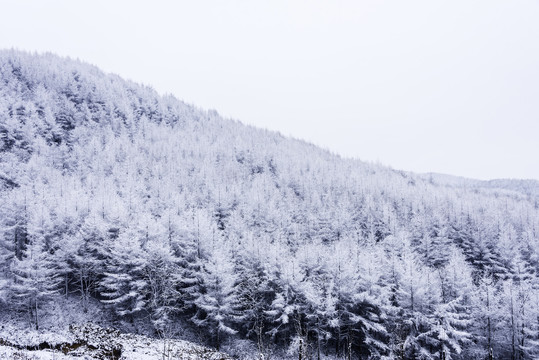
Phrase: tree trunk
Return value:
(513, 353)
(164, 346)
(82, 295)
(37, 318)
(338, 343)
(318, 341)
(259, 332)
(489, 343)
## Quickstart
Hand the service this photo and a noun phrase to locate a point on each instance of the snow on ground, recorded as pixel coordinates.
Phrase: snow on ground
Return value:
(90, 341)
(76, 334)
(10, 353)
(141, 347)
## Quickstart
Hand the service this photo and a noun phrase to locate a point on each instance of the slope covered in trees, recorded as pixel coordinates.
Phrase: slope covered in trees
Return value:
(165, 212)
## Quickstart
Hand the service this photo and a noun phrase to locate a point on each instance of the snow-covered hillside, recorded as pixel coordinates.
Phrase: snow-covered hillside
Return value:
(159, 216)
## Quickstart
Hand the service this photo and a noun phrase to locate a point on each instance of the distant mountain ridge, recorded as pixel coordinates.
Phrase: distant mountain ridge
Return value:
(529, 187)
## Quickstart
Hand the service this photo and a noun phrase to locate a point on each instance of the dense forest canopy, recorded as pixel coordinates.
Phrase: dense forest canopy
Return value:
(163, 211)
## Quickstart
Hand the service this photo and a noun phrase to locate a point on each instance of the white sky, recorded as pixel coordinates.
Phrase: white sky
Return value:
(442, 86)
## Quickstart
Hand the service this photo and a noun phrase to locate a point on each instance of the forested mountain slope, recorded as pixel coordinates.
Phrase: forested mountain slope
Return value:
(165, 212)
(527, 187)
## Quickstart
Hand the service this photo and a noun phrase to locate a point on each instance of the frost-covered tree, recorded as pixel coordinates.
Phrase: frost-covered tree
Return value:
(215, 302)
(253, 294)
(162, 278)
(89, 261)
(35, 279)
(124, 284)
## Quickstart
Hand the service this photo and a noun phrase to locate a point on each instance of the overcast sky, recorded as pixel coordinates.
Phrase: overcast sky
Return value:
(426, 86)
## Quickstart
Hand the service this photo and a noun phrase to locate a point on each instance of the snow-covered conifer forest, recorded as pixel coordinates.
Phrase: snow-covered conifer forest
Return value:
(154, 216)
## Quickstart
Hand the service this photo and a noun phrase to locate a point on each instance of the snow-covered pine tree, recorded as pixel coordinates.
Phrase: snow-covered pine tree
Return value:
(90, 258)
(163, 277)
(253, 296)
(215, 301)
(124, 285)
(36, 280)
